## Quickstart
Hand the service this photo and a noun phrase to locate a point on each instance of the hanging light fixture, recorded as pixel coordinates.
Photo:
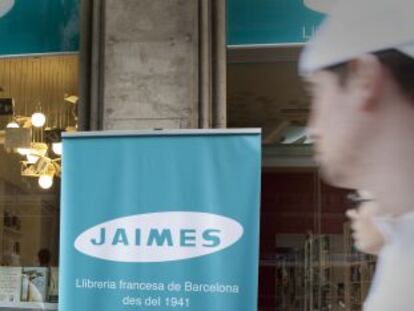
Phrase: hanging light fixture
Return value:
(38, 119)
(45, 181)
(48, 173)
(12, 125)
(23, 151)
(32, 158)
(38, 127)
(57, 148)
(33, 153)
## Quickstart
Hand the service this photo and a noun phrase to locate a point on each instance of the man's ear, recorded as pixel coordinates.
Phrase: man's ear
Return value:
(366, 81)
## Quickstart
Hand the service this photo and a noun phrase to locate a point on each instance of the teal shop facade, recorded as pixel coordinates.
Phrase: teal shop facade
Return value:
(34, 29)
(39, 27)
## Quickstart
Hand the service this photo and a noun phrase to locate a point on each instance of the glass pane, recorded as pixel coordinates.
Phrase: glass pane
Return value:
(348, 272)
(308, 261)
(288, 219)
(30, 174)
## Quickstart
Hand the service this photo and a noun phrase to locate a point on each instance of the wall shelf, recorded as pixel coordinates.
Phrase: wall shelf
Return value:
(12, 231)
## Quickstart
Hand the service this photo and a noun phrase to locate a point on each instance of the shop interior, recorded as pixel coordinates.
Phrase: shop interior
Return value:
(38, 101)
(307, 258)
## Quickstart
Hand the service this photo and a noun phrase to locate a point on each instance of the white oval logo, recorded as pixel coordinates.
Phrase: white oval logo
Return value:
(159, 237)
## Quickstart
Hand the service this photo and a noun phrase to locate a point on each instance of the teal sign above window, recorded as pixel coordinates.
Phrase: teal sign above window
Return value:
(255, 22)
(39, 26)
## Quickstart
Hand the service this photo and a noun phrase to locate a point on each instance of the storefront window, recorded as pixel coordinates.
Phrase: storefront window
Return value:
(307, 258)
(308, 261)
(38, 101)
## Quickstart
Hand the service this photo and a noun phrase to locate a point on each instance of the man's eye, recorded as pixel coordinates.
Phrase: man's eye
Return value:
(309, 89)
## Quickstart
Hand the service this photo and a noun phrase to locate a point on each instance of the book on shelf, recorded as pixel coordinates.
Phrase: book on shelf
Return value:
(34, 284)
(10, 284)
(53, 290)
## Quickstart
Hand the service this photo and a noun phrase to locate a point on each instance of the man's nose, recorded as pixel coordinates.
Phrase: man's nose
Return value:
(311, 134)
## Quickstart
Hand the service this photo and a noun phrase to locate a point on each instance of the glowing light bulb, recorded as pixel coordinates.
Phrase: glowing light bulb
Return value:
(45, 181)
(57, 148)
(38, 119)
(12, 125)
(32, 158)
(23, 151)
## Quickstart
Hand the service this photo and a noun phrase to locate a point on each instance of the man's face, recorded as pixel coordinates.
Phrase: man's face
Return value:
(336, 126)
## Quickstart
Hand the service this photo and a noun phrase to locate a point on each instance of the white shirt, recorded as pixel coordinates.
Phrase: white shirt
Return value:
(393, 285)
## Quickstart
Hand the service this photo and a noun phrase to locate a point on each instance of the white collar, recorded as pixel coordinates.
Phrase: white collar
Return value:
(389, 225)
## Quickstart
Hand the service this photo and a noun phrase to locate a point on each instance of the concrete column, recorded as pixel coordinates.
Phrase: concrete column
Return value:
(151, 64)
(219, 64)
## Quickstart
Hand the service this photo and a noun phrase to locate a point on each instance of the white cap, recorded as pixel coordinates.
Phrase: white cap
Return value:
(357, 27)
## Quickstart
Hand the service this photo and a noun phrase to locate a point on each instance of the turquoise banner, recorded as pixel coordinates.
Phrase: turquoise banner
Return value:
(39, 26)
(273, 21)
(160, 221)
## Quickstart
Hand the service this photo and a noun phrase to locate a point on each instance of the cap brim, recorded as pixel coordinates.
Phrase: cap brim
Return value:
(358, 27)
(407, 49)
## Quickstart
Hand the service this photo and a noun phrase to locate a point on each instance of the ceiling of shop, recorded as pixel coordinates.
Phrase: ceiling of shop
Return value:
(34, 81)
(44, 81)
(264, 89)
